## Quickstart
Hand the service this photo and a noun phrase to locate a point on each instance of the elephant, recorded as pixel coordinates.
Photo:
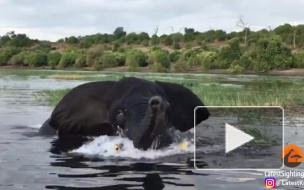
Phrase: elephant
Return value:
(141, 110)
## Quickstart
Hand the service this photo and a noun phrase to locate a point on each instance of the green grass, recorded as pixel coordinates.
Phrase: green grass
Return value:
(213, 90)
(217, 95)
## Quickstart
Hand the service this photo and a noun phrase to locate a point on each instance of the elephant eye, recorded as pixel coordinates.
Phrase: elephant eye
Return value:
(119, 117)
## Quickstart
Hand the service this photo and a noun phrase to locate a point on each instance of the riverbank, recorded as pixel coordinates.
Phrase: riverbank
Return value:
(195, 70)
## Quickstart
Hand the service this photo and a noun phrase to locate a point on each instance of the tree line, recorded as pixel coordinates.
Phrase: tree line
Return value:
(262, 50)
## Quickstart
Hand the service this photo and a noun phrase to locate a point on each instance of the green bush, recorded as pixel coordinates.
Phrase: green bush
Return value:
(44, 47)
(116, 46)
(180, 66)
(186, 54)
(6, 53)
(17, 59)
(36, 59)
(155, 40)
(67, 59)
(188, 45)
(236, 68)
(80, 61)
(121, 50)
(140, 56)
(92, 55)
(272, 54)
(158, 67)
(193, 61)
(168, 41)
(97, 64)
(108, 60)
(207, 60)
(230, 53)
(145, 43)
(154, 48)
(120, 58)
(161, 57)
(54, 58)
(247, 60)
(174, 56)
(132, 62)
(176, 46)
(299, 59)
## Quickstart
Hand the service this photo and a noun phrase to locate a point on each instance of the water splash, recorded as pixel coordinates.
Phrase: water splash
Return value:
(105, 146)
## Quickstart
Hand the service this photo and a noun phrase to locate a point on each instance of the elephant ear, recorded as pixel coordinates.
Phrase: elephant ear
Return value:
(84, 111)
(183, 102)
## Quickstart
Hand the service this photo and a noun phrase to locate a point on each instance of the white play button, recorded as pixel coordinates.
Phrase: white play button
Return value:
(235, 138)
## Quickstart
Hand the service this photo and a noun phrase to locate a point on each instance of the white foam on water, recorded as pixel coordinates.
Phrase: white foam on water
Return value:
(36, 126)
(105, 146)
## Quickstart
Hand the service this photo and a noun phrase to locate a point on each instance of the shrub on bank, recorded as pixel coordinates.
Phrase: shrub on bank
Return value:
(80, 61)
(67, 59)
(108, 60)
(207, 60)
(174, 56)
(7, 53)
(299, 59)
(120, 58)
(176, 46)
(180, 66)
(92, 55)
(272, 53)
(36, 59)
(158, 67)
(193, 61)
(161, 59)
(227, 55)
(54, 58)
(140, 56)
(132, 62)
(18, 59)
(236, 68)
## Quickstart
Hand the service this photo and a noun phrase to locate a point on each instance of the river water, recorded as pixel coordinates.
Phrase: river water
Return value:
(26, 161)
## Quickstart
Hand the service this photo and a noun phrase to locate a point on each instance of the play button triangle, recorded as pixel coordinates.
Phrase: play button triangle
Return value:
(235, 138)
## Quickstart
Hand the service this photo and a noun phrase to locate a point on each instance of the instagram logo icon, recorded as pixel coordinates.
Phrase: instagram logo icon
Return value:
(270, 183)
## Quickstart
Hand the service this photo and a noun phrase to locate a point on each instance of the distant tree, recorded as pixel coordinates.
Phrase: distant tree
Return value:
(143, 36)
(220, 35)
(168, 41)
(131, 38)
(283, 29)
(4, 39)
(119, 32)
(155, 40)
(245, 26)
(72, 40)
(189, 31)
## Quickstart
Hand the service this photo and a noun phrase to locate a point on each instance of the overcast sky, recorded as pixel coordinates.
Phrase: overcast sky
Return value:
(55, 19)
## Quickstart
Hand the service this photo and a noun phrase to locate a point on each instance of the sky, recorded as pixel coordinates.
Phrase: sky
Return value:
(55, 19)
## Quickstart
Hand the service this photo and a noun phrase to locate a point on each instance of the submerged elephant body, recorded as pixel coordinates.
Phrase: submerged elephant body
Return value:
(141, 110)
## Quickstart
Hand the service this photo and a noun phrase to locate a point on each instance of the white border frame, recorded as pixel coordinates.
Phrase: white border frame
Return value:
(229, 169)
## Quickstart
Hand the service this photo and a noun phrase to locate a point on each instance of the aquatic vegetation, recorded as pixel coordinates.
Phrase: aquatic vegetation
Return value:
(68, 77)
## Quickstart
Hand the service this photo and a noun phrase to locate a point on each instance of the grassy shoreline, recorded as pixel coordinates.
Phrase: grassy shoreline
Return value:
(122, 69)
(212, 89)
